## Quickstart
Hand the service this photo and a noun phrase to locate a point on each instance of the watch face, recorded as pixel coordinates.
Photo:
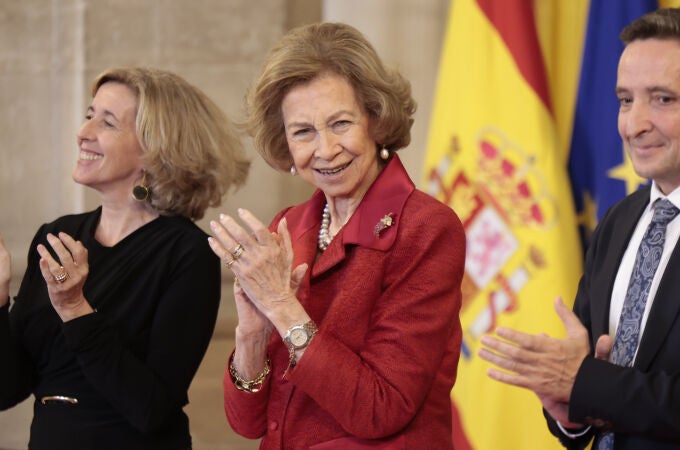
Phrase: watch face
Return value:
(298, 336)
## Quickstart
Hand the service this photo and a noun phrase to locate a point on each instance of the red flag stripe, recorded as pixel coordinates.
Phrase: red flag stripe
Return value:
(514, 20)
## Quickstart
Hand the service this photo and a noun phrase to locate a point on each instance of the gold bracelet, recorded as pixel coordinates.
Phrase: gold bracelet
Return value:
(251, 386)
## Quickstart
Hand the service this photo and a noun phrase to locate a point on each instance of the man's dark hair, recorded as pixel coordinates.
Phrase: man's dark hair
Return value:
(660, 24)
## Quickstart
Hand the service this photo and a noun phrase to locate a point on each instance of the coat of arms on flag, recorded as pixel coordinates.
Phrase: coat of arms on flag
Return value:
(506, 192)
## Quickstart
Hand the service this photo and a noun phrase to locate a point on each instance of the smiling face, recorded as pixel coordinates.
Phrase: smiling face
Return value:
(329, 138)
(648, 88)
(110, 154)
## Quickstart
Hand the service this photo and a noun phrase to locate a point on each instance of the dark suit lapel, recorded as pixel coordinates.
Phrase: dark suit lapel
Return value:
(619, 227)
(662, 314)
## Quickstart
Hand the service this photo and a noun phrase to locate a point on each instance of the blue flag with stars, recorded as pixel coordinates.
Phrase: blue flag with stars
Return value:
(601, 173)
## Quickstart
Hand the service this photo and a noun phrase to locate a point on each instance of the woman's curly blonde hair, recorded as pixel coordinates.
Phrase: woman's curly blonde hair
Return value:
(310, 51)
(192, 153)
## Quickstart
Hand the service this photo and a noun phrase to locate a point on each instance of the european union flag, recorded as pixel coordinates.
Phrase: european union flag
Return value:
(601, 174)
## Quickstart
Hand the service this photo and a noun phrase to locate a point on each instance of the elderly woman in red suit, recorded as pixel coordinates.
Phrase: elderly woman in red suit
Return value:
(348, 333)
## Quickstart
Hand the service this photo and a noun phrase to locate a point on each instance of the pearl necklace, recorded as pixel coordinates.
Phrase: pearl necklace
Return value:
(325, 237)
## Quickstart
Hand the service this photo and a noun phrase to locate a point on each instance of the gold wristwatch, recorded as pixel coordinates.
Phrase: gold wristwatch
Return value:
(297, 337)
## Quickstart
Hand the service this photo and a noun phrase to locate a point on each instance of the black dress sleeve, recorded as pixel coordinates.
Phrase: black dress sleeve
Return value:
(17, 376)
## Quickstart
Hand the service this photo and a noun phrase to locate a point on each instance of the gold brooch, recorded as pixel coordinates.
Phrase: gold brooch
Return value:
(384, 223)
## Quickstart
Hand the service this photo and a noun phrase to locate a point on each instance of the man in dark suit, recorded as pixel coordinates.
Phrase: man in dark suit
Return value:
(616, 375)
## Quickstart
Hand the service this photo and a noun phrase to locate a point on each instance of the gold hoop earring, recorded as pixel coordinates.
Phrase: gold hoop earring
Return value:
(141, 191)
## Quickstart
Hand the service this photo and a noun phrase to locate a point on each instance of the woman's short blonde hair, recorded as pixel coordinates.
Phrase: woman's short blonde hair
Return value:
(309, 51)
(192, 153)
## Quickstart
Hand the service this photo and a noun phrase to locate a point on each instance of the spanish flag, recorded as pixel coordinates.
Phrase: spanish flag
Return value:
(497, 156)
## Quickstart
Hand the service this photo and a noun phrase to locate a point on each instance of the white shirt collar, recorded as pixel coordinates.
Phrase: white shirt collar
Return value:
(655, 194)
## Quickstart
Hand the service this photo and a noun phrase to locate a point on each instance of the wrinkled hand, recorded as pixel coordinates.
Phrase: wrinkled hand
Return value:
(547, 366)
(250, 319)
(263, 267)
(5, 273)
(66, 296)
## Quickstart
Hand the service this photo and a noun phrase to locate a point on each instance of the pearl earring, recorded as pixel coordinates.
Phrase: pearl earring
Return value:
(293, 170)
(384, 154)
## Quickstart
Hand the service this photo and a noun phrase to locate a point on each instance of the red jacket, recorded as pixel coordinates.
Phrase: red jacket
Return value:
(386, 302)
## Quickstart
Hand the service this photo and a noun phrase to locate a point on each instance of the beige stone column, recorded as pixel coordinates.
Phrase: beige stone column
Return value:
(41, 65)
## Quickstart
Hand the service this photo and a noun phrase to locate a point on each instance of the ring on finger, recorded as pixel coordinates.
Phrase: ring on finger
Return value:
(61, 276)
(229, 262)
(238, 251)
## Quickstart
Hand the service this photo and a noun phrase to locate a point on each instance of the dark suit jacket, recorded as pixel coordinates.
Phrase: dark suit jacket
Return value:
(641, 404)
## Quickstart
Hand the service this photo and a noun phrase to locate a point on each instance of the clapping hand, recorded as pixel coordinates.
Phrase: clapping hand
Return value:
(262, 261)
(65, 278)
(547, 366)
